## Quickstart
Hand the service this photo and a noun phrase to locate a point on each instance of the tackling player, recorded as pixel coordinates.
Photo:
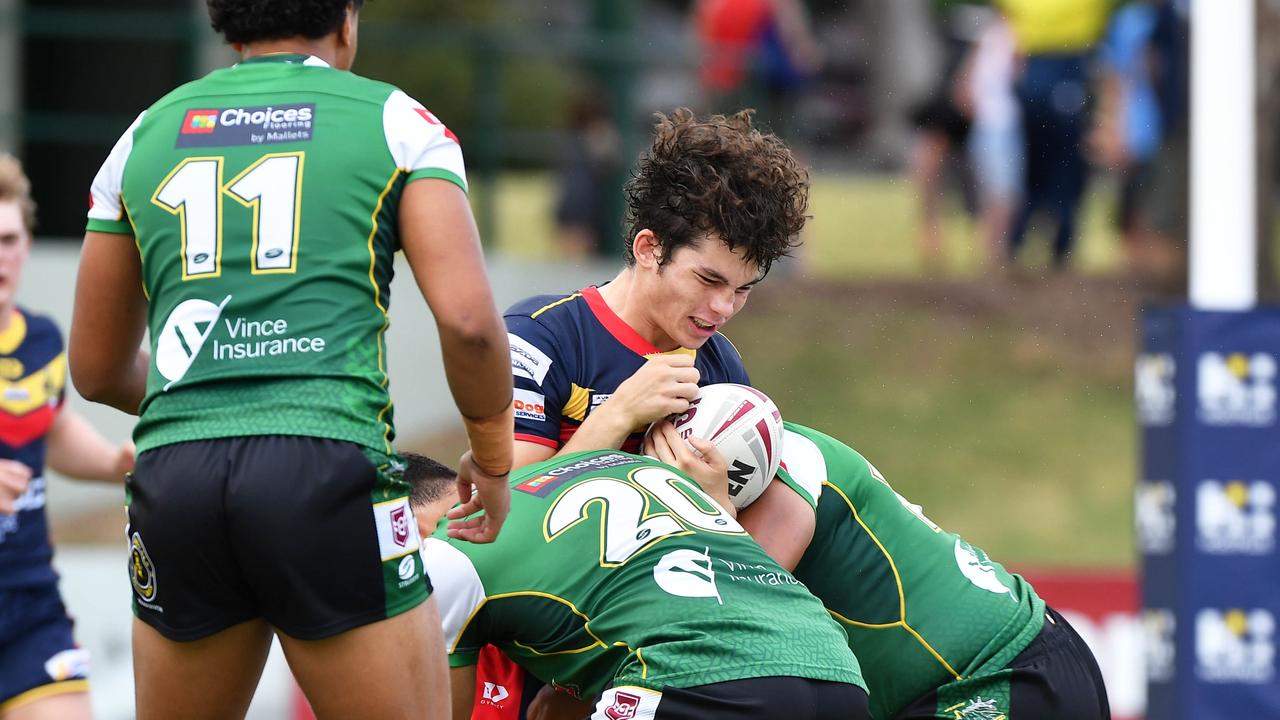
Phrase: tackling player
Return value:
(616, 576)
(713, 203)
(43, 674)
(941, 630)
(249, 220)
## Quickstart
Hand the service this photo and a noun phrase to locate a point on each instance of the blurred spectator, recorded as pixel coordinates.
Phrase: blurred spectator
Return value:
(1128, 123)
(1170, 177)
(756, 53)
(587, 165)
(943, 127)
(985, 91)
(1056, 38)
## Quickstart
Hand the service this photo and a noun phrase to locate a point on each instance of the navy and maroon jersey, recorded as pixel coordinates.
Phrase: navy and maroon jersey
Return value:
(33, 370)
(570, 352)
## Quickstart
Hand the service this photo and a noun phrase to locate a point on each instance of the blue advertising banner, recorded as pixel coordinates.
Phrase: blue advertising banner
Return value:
(1205, 506)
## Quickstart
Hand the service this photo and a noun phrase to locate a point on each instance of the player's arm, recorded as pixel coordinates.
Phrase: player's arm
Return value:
(78, 451)
(462, 682)
(552, 704)
(663, 386)
(780, 521)
(707, 466)
(442, 245)
(107, 364)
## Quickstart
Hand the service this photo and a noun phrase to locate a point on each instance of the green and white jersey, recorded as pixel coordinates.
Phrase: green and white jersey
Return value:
(616, 569)
(921, 606)
(264, 200)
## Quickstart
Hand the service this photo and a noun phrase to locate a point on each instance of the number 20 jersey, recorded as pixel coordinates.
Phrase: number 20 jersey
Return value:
(616, 569)
(264, 200)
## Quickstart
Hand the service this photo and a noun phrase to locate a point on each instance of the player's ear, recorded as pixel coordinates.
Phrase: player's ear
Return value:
(647, 249)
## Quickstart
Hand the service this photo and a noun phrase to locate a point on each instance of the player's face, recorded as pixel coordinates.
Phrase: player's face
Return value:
(15, 245)
(696, 292)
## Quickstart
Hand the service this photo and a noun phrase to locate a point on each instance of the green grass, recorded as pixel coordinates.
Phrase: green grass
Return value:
(862, 226)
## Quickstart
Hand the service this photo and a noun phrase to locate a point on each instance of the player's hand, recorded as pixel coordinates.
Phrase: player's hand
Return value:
(663, 386)
(703, 461)
(14, 479)
(479, 491)
(123, 464)
(552, 704)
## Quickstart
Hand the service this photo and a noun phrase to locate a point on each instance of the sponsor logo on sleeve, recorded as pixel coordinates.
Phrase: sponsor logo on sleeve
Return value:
(1154, 514)
(259, 125)
(1235, 517)
(1237, 389)
(527, 361)
(431, 119)
(530, 405)
(1235, 645)
(1154, 391)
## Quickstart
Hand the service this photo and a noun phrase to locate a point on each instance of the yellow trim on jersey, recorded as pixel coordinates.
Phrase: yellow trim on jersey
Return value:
(897, 579)
(545, 308)
(181, 212)
(575, 408)
(13, 335)
(644, 666)
(36, 390)
(584, 514)
(735, 347)
(256, 205)
(377, 300)
(678, 351)
(62, 687)
(586, 624)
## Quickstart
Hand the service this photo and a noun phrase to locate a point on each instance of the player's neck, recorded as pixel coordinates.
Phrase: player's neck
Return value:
(627, 300)
(322, 48)
(7, 311)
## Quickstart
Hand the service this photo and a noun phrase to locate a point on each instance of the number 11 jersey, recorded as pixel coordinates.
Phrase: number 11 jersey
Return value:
(264, 200)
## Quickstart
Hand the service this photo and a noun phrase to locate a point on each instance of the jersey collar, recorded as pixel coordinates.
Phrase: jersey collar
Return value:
(290, 58)
(13, 335)
(619, 329)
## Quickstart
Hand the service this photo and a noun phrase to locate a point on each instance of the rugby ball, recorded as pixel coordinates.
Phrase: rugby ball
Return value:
(745, 425)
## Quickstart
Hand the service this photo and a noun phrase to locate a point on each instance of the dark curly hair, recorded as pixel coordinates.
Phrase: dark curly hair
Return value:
(719, 175)
(242, 21)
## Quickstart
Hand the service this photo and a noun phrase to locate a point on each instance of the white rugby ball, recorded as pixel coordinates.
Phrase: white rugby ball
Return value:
(746, 427)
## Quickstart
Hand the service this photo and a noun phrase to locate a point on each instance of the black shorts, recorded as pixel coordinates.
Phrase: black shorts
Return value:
(1055, 678)
(762, 698)
(315, 536)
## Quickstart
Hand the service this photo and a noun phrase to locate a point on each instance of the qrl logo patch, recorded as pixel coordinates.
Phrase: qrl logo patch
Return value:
(400, 525)
(397, 531)
(624, 706)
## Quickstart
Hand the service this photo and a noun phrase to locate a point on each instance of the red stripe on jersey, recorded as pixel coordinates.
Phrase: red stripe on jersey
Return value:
(22, 429)
(538, 439)
(617, 327)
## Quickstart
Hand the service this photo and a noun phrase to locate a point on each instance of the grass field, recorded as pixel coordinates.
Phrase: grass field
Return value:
(1003, 406)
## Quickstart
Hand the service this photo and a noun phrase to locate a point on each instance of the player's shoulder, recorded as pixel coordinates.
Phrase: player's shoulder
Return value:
(549, 310)
(718, 353)
(40, 326)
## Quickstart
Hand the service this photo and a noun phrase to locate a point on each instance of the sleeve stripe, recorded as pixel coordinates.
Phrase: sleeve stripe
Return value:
(538, 439)
(115, 227)
(438, 174)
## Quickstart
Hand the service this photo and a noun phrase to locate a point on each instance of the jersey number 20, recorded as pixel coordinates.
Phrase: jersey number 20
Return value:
(271, 187)
(627, 528)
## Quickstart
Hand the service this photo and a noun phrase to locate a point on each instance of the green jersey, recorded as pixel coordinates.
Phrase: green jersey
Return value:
(616, 569)
(921, 606)
(264, 199)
